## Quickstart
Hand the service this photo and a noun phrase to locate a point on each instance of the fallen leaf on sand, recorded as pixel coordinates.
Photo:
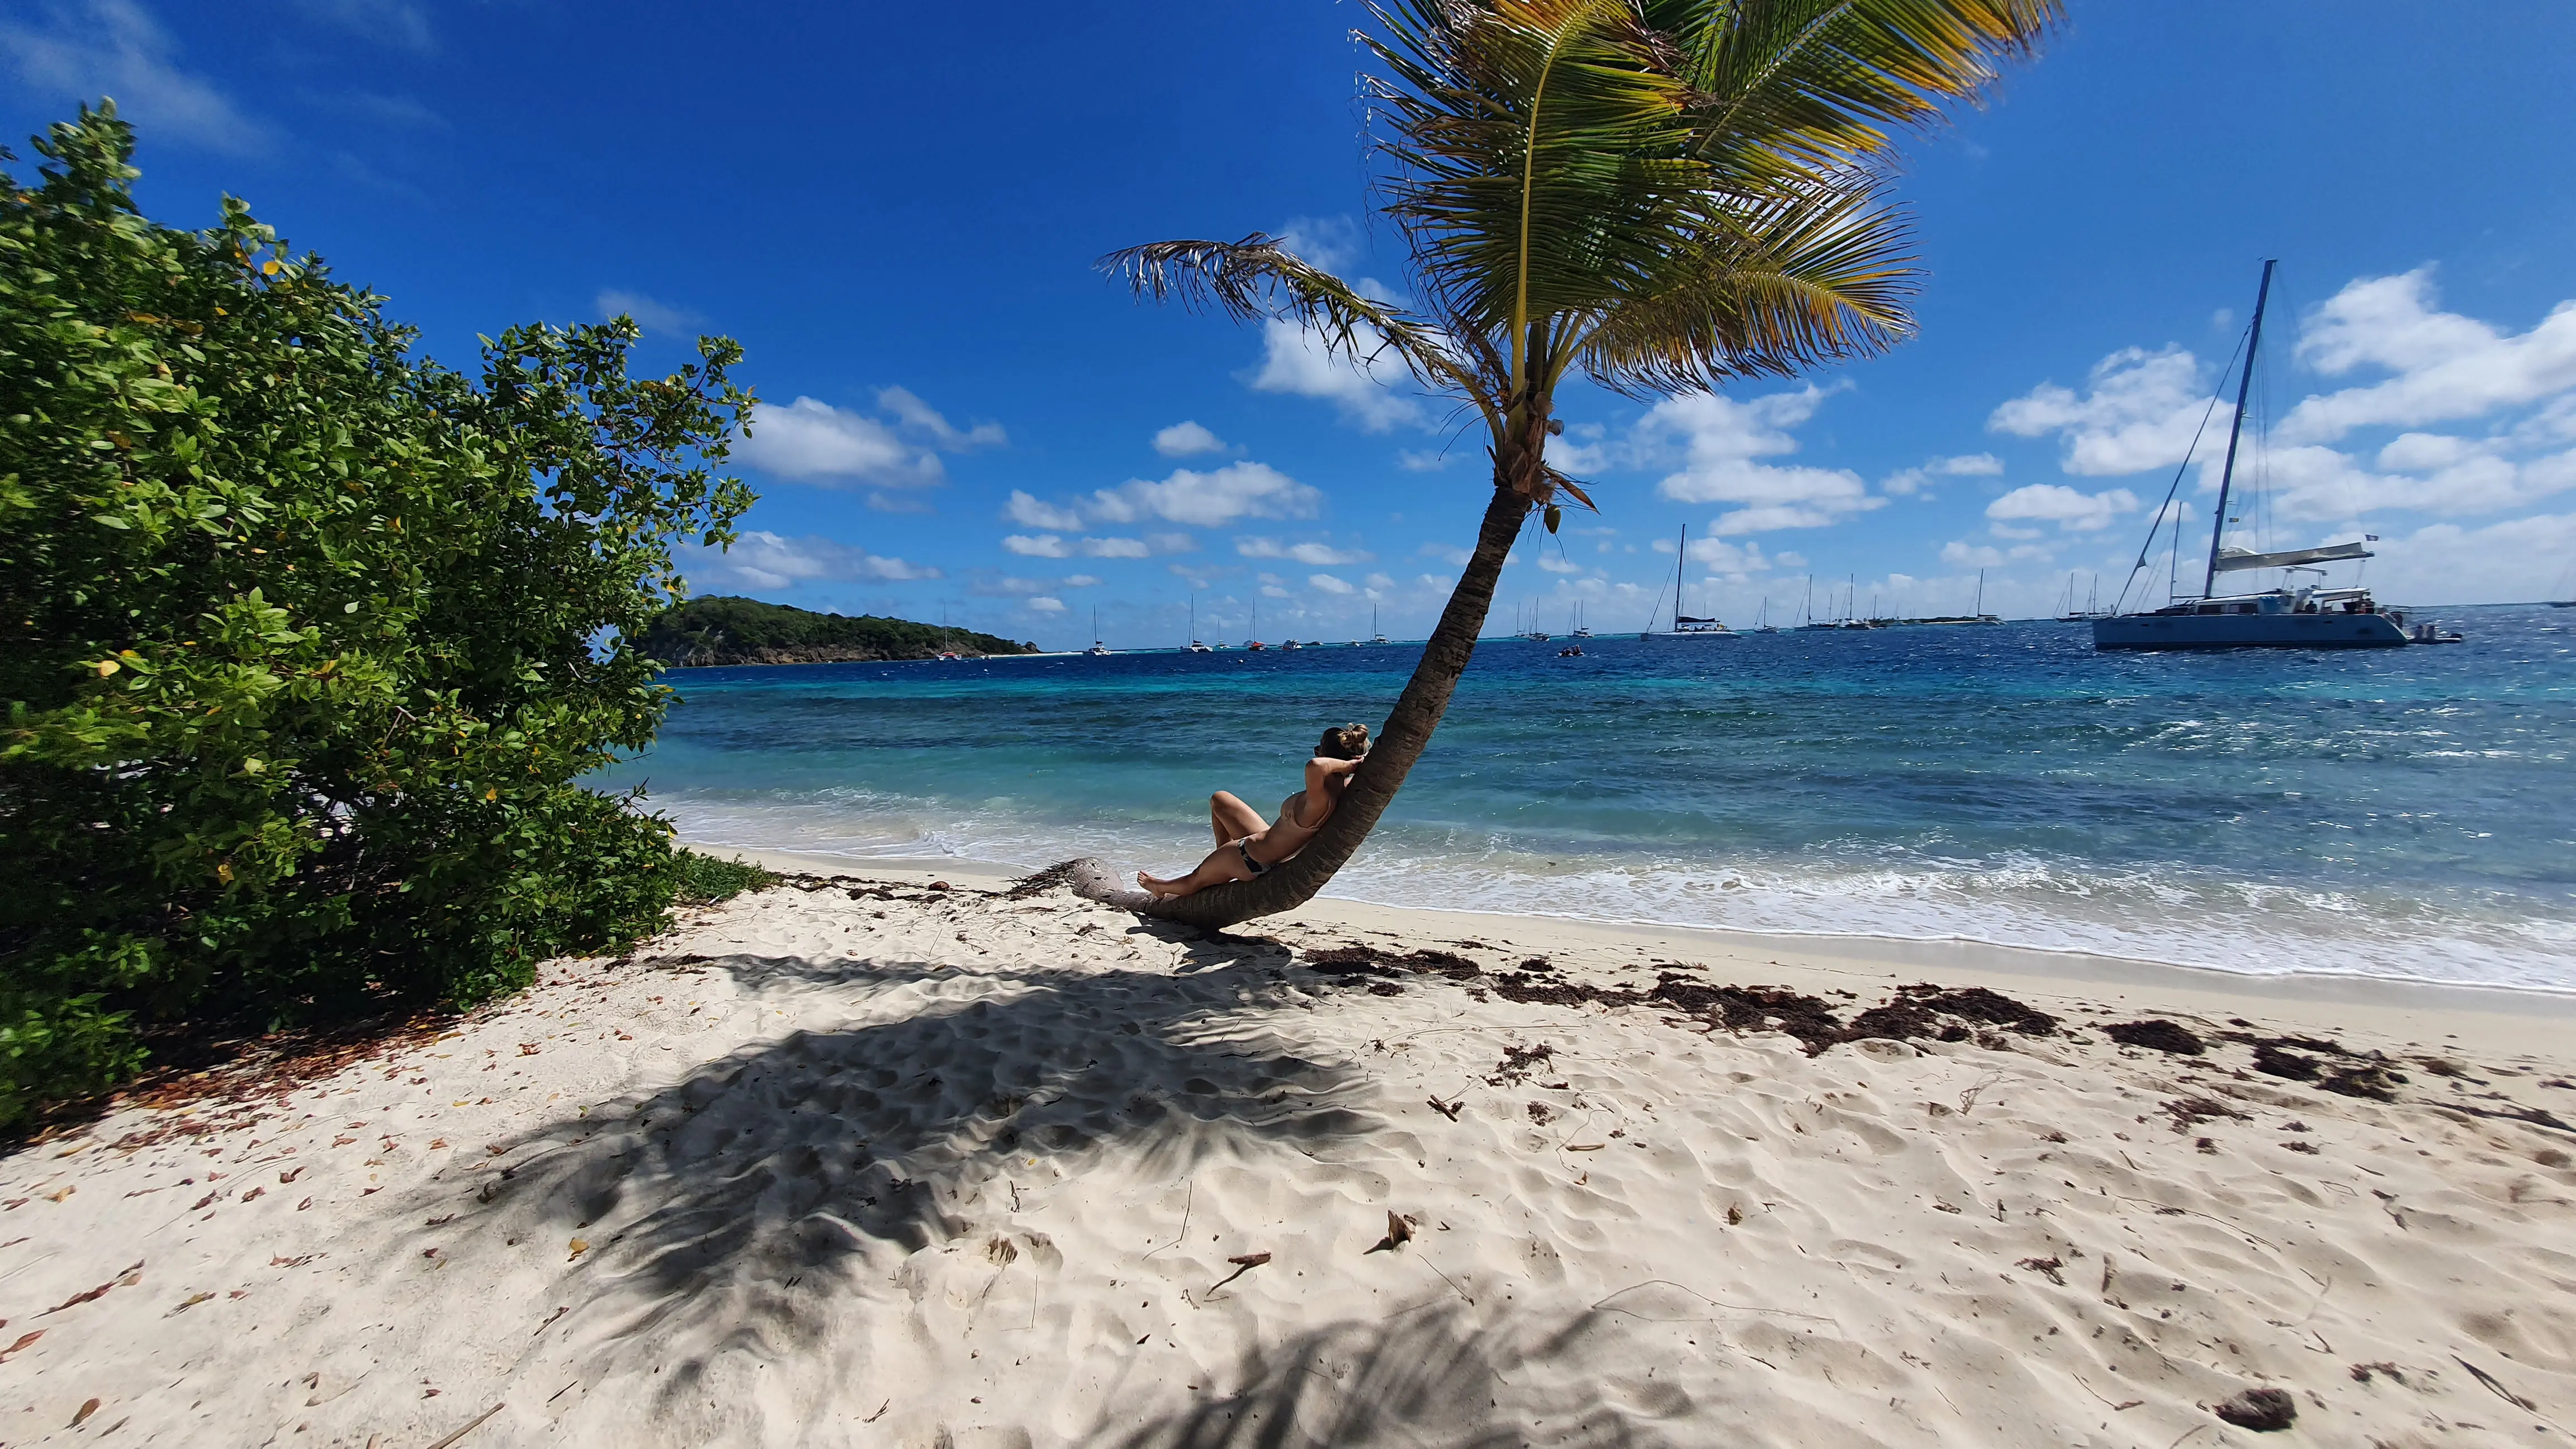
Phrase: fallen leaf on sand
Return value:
(24, 1339)
(1243, 1263)
(579, 1247)
(87, 1409)
(1398, 1233)
(59, 1196)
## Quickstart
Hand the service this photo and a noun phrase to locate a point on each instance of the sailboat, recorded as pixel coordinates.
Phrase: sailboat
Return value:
(1762, 618)
(1688, 626)
(1807, 620)
(1195, 646)
(1097, 647)
(1256, 627)
(1581, 629)
(2310, 616)
(1375, 637)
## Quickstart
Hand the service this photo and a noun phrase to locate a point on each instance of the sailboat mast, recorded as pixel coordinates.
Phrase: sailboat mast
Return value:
(1681, 571)
(2227, 473)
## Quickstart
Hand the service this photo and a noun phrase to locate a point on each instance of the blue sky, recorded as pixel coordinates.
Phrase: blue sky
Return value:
(896, 210)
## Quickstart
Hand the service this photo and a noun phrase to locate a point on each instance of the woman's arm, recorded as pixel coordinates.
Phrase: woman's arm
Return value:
(1323, 768)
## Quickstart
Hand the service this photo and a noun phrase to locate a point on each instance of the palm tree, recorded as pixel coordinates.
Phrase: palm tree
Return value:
(1665, 194)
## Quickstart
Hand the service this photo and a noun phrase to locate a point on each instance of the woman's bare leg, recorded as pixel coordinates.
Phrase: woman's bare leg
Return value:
(1231, 819)
(1223, 864)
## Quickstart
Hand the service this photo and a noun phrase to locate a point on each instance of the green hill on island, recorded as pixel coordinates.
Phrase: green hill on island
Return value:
(724, 630)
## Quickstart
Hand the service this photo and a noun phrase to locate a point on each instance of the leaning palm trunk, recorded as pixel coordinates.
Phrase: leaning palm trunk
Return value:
(1666, 195)
(1398, 745)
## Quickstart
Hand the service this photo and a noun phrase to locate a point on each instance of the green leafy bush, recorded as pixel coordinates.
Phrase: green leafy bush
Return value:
(305, 641)
(707, 879)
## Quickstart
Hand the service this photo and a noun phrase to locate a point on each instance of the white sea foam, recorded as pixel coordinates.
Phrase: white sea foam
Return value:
(2204, 920)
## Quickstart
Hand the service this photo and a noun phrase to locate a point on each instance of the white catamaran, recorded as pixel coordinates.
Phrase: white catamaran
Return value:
(2308, 616)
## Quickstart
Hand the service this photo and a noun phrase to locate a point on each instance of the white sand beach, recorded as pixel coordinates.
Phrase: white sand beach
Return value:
(863, 1162)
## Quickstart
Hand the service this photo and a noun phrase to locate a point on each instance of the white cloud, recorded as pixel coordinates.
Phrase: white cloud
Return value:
(928, 421)
(1559, 565)
(1723, 557)
(1304, 553)
(1186, 439)
(83, 49)
(2448, 366)
(1379, 581)
(1959, 554)
(2424, 452)
(1454, 557)
(1330, 242)
(814, 442)
(2140, 413)
(2066, 507)
(1330, 584)
(1723, 441)
(649, 314)
(396, 23)
(763, 560)
(1295, 360)
(1081, 581)
(2446, 563)
(1028, 510)
(1209, 500)
(1044, 545)
(2455, 476)
(1115, 548)
(1046, 604)
(1413, 461)
(1907, 481)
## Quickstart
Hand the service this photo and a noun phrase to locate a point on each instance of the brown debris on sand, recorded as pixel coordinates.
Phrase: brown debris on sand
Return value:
(2157, 1034)
(2262, 1410)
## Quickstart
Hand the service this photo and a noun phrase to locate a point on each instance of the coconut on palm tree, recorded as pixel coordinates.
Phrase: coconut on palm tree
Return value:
(1663, 195)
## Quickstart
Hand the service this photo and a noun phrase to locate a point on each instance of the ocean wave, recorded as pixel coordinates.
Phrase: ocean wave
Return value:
(2201, 919)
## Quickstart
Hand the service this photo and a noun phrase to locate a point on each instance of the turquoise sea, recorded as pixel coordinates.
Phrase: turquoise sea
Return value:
(2404, 813)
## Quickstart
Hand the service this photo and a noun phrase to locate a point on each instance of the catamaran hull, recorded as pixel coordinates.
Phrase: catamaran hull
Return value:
(2248, 631)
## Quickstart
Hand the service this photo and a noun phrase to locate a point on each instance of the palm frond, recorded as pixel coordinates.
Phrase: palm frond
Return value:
(1810, 275)
(1819, 84)
(1538, 148)
(1257, 278)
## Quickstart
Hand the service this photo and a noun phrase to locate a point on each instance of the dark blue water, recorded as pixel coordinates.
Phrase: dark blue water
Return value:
(2404, 812)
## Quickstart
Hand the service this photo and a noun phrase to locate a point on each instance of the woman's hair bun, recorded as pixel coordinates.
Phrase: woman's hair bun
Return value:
(1345, 742)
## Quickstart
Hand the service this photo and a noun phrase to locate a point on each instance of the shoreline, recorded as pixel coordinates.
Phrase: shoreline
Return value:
(2533, 1016)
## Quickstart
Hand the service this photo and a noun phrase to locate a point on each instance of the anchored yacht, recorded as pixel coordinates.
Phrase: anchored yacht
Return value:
(2309, 615)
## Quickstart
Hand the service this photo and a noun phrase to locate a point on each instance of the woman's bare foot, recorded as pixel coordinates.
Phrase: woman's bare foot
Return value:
(1153, 885)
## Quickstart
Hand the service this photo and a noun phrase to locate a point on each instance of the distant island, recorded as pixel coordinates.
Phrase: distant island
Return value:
(724, 630)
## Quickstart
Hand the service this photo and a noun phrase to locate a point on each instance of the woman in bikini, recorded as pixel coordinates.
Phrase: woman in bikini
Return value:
(1246, 847)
